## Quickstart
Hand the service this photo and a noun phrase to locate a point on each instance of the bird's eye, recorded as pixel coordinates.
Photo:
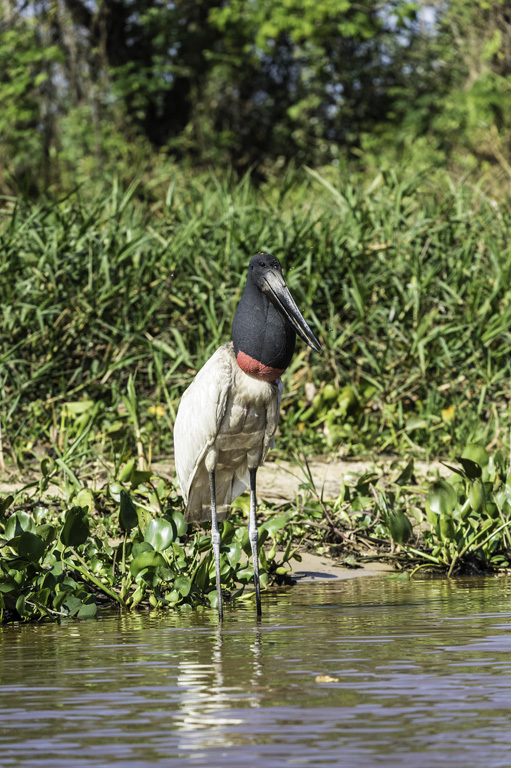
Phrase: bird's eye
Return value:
(262, 264)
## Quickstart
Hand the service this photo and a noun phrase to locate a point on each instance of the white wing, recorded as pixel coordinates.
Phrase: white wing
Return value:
(198, 420)
(213, 413)
(272, 419)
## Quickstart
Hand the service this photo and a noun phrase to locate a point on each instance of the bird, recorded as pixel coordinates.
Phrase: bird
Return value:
(228, 416)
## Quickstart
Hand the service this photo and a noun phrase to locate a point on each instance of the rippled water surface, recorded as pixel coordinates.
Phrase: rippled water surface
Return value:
(422, 677)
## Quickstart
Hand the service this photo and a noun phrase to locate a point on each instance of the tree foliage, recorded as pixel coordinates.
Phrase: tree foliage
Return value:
(88, 87)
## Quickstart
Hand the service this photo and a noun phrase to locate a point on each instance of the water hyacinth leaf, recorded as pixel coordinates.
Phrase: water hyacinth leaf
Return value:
(503, 499)
(87, 611)
(8, 585)
(201, 576)
(84, 499)
(30, 546)
(227, 531)
(476, 495)
(73, 604)
(442, 498)
(146, 560)
(42, 596)
(114, 490)
(139, 547)
(180, 523)
(472, 469)
(406, 475)
(125, 473)
(288, 552)
(245, 575)
(273, 551)
(245, 541)
(261, 540)
(40, 513)
(180, 556)
(274, 524)
(16, 563)
(57, 569)
(447, 531)
(76, 527)
(263, 560)
(400, 527)
(475, 453)
(360, 503)
(462, 512)
(5, 503)
(128, 518)
(242, 503)
(59, 598)
(96, 565)
(18, 524)
(164, 573)
(138, 595)
(20, 605)
(364, 482)
(183, 584)
(233, 553)
(159, 534)
(11, 526)
(225, 567)
(204, 543)
(492, 510)
(139, 477)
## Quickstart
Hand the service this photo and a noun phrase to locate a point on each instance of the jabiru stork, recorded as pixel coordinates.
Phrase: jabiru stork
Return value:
(228, 416)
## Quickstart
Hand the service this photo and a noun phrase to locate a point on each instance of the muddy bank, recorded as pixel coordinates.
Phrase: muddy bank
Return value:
(322, 568)
(277, 481)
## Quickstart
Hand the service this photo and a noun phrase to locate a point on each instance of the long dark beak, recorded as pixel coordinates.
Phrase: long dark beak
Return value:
(278, 293)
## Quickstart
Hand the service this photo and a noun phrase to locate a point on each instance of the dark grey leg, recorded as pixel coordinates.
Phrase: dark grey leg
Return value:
(215, 541)
(252, 535)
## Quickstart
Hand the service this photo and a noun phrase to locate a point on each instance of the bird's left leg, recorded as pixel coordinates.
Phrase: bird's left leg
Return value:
(215, 541)
(211, 460)
(253, 536)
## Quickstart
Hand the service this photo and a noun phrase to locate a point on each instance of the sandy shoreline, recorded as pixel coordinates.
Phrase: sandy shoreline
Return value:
(322, 568)
(278, 482)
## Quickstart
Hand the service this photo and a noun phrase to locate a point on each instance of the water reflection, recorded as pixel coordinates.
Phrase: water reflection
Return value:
(422, 670)
(205, 692)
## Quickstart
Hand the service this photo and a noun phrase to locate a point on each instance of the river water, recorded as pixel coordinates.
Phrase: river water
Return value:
(359, 673)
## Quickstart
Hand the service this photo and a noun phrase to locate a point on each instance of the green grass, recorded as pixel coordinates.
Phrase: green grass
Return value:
(406, 285)
(111, 303)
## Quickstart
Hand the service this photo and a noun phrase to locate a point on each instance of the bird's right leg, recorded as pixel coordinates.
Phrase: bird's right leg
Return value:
(215, 541)
(253, 537)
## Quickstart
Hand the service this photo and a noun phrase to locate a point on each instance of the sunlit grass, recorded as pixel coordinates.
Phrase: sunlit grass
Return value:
(406, 286)
(111, 303)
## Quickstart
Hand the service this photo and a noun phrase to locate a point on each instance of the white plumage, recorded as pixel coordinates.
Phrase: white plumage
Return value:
(228, 415)
(226, 421)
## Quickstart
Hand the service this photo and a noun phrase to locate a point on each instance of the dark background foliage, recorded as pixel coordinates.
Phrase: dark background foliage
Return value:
(124, 85)
(147, 150)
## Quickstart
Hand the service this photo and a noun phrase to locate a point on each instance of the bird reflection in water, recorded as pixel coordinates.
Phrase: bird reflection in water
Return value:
(207, 701)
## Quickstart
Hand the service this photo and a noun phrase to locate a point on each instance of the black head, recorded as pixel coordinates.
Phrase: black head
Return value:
(265, 272)
(267, 321)
(259, 266)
